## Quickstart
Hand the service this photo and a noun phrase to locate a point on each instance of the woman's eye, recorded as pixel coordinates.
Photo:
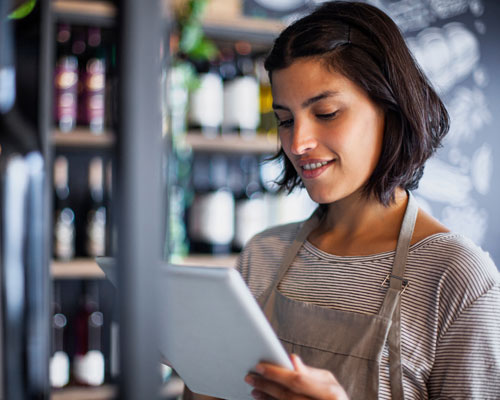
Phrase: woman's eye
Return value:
(327, 116)
(285, 123)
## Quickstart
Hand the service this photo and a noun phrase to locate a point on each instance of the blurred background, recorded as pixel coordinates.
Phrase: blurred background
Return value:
(141, 131)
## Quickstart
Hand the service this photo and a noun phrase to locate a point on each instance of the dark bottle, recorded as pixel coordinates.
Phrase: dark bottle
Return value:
(206, 101)
(65, 81)
(111, 90)
(64, 216)
(79, 51)
(251, 208)
(93, 82)
(78, 44)
(228, 72)
(211, 215)
(241, 95)
(111, 236)
(95, 228)
(59, 360)
(88, 362)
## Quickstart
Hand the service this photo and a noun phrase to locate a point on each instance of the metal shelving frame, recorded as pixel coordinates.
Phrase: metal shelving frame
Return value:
(140, 195)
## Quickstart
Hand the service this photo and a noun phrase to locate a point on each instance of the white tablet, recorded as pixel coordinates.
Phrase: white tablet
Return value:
(214, 332)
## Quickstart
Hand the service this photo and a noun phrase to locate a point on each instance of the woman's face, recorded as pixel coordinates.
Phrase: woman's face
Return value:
(329, 129)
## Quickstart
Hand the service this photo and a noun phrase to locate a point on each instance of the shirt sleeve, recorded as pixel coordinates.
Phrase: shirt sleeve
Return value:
(467, 361)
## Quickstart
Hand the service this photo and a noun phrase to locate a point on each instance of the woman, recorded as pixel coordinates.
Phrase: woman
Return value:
(373, 297)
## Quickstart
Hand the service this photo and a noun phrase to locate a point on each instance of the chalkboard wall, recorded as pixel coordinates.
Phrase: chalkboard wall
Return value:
(457, 44)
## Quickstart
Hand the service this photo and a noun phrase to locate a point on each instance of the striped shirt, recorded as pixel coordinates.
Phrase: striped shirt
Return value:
(450, 313)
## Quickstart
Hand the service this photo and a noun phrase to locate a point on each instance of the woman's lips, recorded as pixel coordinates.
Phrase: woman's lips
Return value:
(312, 171)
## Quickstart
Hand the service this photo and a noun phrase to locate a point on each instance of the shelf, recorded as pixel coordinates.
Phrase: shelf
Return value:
(101, 13)
(233, 143)
(82, 138)
(104, 392)
(254, 30)
(87, 268)
(80, 268)
(172, 389)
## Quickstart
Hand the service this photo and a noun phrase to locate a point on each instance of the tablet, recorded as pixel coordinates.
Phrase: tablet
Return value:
(214, 332)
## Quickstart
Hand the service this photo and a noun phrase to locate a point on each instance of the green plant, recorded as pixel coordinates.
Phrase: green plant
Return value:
(192, 41)
(22, 9)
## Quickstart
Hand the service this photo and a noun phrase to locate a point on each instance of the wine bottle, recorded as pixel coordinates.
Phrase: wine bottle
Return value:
(206, 102)
(66, 81)
(64, 216)
(111, 236)
(79, 51)
(251, 210)
(88, 362)
(270, 172)
(211, 215)
(59, 361)
(95, 238)
(93, 78)
(241, 95)
(228, 72)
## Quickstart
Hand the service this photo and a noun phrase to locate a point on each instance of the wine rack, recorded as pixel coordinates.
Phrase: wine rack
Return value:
(103, 13)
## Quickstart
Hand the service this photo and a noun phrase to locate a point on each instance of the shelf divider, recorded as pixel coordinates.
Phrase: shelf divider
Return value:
(102, 13)
(82, 138)
(172, 389)
(105, 392)
(87, 268)
(79, 268)
(233, 143)
(254, 30)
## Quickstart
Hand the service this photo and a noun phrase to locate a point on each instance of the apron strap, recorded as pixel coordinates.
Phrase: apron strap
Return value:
(396, 277)
(403, 245)
(391, 308)
(305, 230)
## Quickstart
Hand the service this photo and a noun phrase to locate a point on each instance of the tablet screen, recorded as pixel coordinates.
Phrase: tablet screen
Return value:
(215, 332)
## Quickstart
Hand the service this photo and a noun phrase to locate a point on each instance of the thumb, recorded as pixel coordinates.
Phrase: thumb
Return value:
(297, 363)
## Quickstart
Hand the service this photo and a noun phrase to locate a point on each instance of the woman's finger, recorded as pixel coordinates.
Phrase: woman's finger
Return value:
(303, 380)
(266, 389)
(321, 375)
(258, 395)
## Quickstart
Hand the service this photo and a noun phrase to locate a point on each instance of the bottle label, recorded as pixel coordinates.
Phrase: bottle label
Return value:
(96, 232)
(66, 92)
(251, 218)
(89, 368)
(241, 104)
(212, 217)
(94, 82)
(94, 369)
(59, 369)
(64, 234)
(206, 103)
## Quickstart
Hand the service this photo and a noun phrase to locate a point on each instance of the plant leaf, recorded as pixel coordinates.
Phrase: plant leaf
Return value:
(23, 10)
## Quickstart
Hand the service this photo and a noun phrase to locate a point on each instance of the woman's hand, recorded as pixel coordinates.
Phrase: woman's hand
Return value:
(273, 382)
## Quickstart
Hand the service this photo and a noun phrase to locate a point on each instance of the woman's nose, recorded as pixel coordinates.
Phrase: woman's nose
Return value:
(303, 139)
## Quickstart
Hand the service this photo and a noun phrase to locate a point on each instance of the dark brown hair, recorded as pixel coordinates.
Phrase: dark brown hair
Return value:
(362, 43)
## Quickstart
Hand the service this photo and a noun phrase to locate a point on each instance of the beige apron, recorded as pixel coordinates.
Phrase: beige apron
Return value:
(348, 344)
